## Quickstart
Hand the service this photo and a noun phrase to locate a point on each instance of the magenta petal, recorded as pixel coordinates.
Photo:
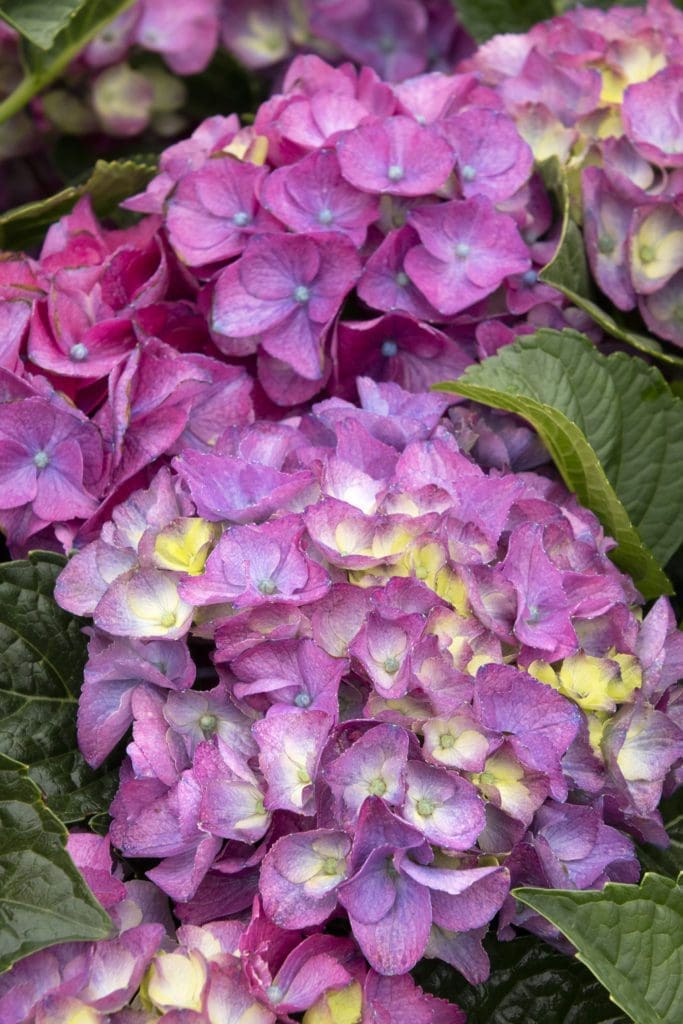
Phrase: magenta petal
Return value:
(396, 156)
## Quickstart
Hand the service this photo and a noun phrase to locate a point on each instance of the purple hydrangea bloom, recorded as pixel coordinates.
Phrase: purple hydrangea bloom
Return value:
(466, 251)
(287, 290)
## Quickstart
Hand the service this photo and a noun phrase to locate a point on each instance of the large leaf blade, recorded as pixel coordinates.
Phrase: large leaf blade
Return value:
(629, 937)
(614, 429)
(43, 897)
(107, 185)
(38, 21)
(42, 655)
(529, 981)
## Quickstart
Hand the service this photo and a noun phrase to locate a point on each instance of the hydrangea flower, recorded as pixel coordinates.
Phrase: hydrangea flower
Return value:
(392, 737)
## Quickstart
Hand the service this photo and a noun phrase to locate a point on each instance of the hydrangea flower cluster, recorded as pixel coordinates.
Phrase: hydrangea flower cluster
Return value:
(354, 228)
(603, 91)
(395, 231)
(419, 683)
(226, 972)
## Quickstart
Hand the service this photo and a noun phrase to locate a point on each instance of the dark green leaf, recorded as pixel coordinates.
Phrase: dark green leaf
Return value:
(43, 66)
(613, 428)
(43, 898)
(39, 20)
(42, 654)
(568, 272)
(530, 983)
(486, 18)
(108, 184)
(629, 936)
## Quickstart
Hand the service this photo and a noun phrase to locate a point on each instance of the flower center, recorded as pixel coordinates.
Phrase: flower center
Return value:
(469, 172)
(447, 741)
(303, 776)
(302, 700)
(325, 216)
(606, 244)
(208, 723)
(392, 665)
(168, 619)
(41, 459)
(395, 172)
(377, 787)
(462, 250)
(274, 993)
(330, 866)
(78, 352)
(267, 587)
(301, 293)
(389, 348)
(647, 253)
(530, 277)
(241, 219)
(401, 279)
(425, 807)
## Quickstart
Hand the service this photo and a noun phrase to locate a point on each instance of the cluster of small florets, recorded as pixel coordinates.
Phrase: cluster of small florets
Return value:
(354, 228)
(420, 683)
(395, 231)
(603, 91)
(226, 972)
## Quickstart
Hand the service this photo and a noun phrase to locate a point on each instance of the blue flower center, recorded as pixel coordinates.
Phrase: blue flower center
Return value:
(462, 250)
(530, 277)
(325, 216)
(241, 219)
(402, 279)
(395, 172)
(303, 700)
(41, 459)
(468, 172)
(78, 352)
(301, 293)
(389, 348)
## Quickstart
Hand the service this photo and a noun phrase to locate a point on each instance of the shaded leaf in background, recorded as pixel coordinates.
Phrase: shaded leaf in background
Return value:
(530, 983)
(568, 272)
(108, 184)
(43, 66)
(43, 897)
(614, 430)
(39, 20)
(629, 936)
(42, 654)
(486, 18)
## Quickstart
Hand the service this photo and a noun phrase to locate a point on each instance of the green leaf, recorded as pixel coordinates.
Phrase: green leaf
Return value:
(39, 20)
(614, 430)
(486, 18)
(42, 654)
(43, 898)
(629, 936)
(109, 183)
(568, 272)
(43, 65)
(529, 982)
